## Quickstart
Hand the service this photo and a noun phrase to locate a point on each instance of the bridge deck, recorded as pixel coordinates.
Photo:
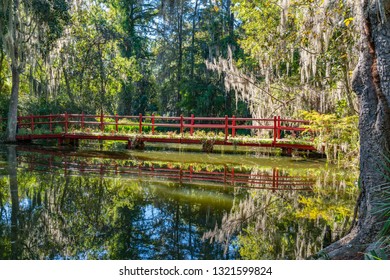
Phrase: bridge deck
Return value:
(268, 143)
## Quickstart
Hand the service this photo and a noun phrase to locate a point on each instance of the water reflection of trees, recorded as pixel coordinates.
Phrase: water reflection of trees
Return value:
(99, 218)
(57, 213)
(289, 225)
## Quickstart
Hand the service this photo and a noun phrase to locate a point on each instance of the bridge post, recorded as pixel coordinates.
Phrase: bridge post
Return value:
(50, 123)
(234, 126)
(116, 122)
(140, 123)
(275, 130)
(152, 124)
(101, 121)
(279, 127)
(192, 125)
(66, 122)
(129, 146)
(226, 127)
(181, 125)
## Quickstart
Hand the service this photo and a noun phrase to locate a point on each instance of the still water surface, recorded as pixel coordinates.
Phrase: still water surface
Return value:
(91, 204)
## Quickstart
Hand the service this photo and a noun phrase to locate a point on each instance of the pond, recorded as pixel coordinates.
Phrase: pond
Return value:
(59, 203)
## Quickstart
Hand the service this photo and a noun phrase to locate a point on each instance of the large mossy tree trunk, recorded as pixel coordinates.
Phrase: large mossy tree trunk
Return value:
(371, 82)
(13, 42)
(13, 106)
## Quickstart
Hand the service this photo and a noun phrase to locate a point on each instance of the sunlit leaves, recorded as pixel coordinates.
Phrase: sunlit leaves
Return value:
(305, 48)
(324, 208)
(338, 136)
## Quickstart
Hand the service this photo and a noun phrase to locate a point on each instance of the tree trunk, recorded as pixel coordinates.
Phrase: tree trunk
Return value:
(2, 80)
(348, 91)
(102, 78)
(13, 106)
(67, 82)
(13, 43)
(230, 19)
(193, 41)
(180, 56)
(371, 82)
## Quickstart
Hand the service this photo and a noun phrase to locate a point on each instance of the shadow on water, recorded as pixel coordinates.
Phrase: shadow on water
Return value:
(80, 204)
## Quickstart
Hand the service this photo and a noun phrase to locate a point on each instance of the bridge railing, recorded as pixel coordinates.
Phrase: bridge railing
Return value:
(275, 127)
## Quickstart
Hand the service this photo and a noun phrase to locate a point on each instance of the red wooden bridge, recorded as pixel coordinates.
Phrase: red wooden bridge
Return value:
(273, 132)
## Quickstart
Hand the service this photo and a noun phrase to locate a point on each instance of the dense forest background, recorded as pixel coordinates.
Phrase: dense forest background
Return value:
(257, 58)
(260, 58)
(205, 57)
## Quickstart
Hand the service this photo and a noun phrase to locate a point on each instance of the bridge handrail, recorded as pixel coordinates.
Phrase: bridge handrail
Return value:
(228, 125)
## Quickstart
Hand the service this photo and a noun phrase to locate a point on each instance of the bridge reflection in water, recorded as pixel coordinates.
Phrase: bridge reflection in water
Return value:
(272, 178)
(85, 204)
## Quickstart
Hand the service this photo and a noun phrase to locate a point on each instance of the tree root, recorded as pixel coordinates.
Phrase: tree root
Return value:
(354, 246)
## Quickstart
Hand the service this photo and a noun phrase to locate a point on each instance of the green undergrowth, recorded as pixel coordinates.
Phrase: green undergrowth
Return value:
(197, 135)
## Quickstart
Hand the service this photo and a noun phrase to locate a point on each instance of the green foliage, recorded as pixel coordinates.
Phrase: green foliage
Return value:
(324, 208)
(381, 209)
(337, 136)
(54, 15)
(130, 57)
(378, 254)
(40, 131)
(24, 131)
(297, 56)
(122, 56)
